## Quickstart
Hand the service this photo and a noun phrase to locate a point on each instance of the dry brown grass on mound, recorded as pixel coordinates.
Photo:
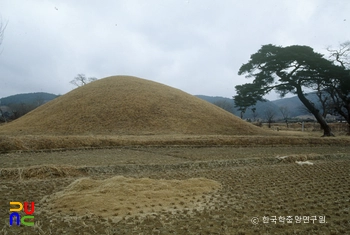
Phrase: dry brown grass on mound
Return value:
(120, 196)
(39, 172)
(124, 105)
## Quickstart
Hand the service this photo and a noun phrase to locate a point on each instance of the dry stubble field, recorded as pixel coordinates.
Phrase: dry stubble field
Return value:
(234, 184)
(212, 173)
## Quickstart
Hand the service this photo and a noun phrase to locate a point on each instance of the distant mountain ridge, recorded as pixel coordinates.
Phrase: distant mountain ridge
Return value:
(15, 106)
(293, 104)
(28, 98)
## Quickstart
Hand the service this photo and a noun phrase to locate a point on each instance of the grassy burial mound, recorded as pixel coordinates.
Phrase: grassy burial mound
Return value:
(125, 105)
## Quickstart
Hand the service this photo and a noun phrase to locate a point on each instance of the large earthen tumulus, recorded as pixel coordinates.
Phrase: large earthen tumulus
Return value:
(125, 105)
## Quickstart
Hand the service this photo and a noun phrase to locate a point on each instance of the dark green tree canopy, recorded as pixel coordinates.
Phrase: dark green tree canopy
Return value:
(286, 70)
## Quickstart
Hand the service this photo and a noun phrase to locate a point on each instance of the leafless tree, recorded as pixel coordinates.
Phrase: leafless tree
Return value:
(285, 113)
(81, 80)
(323, 98)
(255, 114)
(2, 30)
(39, 100)
(224, 104)
(339, 89)
(341, 55)
(269, 115)
(20, 109)
(2, 116)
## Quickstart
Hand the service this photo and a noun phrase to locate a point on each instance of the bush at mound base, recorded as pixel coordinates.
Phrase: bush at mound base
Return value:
(125, 105)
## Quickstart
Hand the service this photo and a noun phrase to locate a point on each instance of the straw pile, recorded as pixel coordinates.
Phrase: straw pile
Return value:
(121, 196)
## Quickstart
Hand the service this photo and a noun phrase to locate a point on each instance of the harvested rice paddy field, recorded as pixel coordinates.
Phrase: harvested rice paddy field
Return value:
(180, 190)
(124, 155)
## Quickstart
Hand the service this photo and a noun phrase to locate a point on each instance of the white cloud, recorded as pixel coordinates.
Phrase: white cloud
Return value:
(197, 46)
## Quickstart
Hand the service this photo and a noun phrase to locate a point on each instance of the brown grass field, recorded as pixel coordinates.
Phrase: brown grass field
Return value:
(196, 170)
(179, 189)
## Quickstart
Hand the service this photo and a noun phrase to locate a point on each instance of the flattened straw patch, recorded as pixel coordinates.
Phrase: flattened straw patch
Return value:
(120, 196)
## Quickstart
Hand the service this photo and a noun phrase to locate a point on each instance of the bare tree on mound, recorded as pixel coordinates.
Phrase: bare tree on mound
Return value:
(286, 70)
(81, 80)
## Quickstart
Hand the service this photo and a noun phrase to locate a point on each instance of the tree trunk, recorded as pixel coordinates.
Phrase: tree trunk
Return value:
(324, 125)
(346, 116)
(3, 116)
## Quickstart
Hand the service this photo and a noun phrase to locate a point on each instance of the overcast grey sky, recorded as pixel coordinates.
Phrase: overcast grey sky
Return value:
(193, 45)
